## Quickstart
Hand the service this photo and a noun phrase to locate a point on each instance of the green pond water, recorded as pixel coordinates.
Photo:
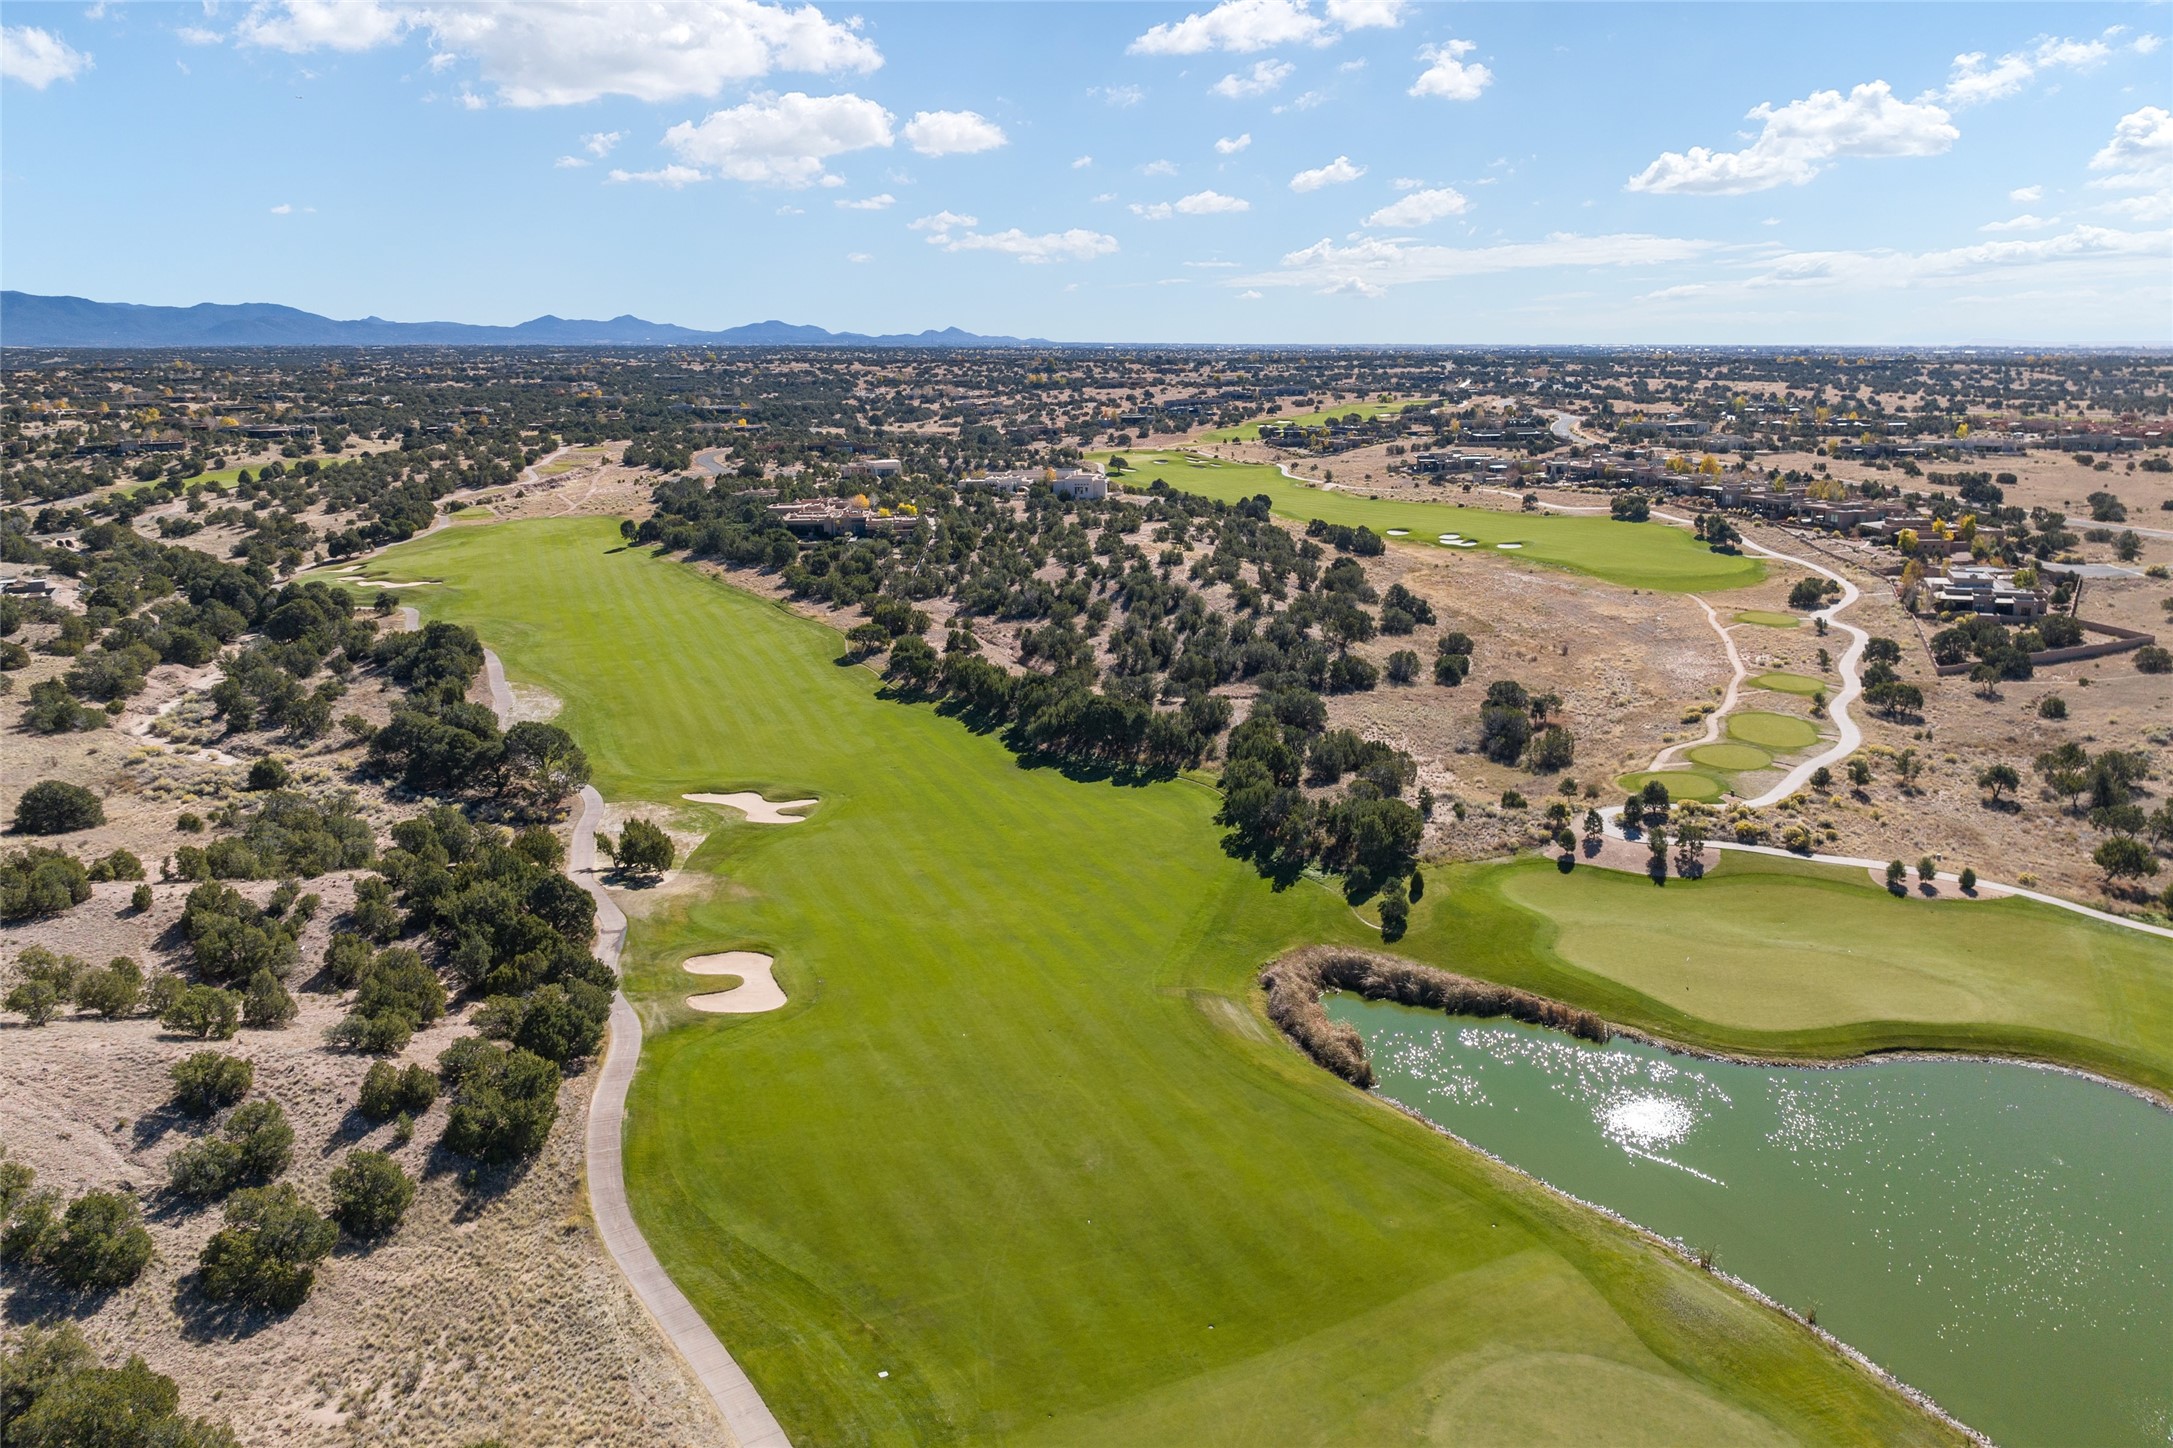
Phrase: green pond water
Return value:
(1998, 1236)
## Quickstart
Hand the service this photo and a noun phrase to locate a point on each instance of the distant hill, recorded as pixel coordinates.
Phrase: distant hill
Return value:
(27, 320)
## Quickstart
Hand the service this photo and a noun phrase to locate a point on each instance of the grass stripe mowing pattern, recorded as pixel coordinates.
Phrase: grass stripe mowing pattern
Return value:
(1021, 1140)
(1635, 555)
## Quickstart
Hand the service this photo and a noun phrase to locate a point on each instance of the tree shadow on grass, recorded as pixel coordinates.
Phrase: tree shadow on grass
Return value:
(203, 1320)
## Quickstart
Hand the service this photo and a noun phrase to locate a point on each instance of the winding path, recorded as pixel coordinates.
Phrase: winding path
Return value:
(1716, 720)
(748, 1418)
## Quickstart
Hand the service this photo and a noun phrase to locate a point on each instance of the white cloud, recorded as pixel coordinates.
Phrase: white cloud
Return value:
(1231, 145)
(1351, 67)
(1419, 208)
(1353, 287)
(37, 57)
(2139, 158)
(1120, 96)
(284, 208)
(2146, 45)
(1239, 25)
(790, 210)
(782, 140)
(599, 143)
(1081, 163)
(1159, 168)
(674, 177)
(858, 257)
(1265, 76)
(1386, 262)
(942, 221)
(952, 133)
(1211, 265)
(1974, 81)
(574, 51)
(569, 163)
(2024, 222)
(1367, 14)
(2024, 195)
(868, 203)
(472, 102)
(197, 35)
(1249, 295)
(1407, 183)
(1307, 101)
(1077, 244)
(1447, 75)
(1199, 203)
(1101, 197)
(1336, 173)
(2137, 253)
(1798, 140)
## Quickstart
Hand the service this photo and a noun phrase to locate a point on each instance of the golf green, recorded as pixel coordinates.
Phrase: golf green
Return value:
(1635, 555)
(1022, 1160)
(1247, 432)
(1731, 758)
(1786, 683)
(1767, 618)
(1772, 731)
(1681, 784)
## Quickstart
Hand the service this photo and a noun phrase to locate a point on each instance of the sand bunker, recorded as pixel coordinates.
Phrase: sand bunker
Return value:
(757, 809)
(1399, 532)
(757, 991)
(1508, 545)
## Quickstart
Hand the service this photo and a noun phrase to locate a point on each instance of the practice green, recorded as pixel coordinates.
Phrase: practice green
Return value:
(1635, 555)
(1732, 758)
(1786, 683)
(1021, 1141)
(1767, 618)
(1772, 731)
(1681, 783)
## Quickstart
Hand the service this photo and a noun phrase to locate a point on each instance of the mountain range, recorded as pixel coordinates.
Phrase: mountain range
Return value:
(28, 320)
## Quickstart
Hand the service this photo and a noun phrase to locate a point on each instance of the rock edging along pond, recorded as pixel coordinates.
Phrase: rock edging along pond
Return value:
(1295, 982)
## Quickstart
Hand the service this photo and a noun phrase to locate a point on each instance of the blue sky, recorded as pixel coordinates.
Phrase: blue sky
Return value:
(1259, 170)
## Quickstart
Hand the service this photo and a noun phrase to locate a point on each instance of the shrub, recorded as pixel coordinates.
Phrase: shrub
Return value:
(2052, 706)
(1968, 879)
(265, 1003)
(113, 991)
(267, 774)
(36, 1001)
(205, 1012)
(370, 1194)
(504, 1103)
(643, 849)
(102, 1242)
(2154, 659)
(231, 938)
(255, 1145)
(1402, 667)
(40, 882)
(346, 959)
(1395, 914)
(267, 1254)
(389, 1091)
(559, 1023)
(55, 807)
(206, 1082)
(139, 899)
(53, 1394)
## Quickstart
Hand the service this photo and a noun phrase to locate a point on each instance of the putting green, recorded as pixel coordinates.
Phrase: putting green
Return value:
(1635, 555)
(1786, 683)
(1772, 731)
(1767, 618)
(1732, 758)
(1021, 1141)
(1681, 783)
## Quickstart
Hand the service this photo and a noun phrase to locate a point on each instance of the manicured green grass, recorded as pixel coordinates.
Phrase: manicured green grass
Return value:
(1681, 783)
(1767, 618)
(1772, 731)
(1783, 957)
(1022, 1140)
(1635, 555)
(1786, 683)
(1248, 432)
(1730, 758)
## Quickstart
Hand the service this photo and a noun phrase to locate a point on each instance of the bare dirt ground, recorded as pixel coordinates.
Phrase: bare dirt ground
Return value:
(493, 1313)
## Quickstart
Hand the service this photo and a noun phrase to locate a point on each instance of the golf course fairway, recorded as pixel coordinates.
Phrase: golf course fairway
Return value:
(1635, 555)
(1021, 1159)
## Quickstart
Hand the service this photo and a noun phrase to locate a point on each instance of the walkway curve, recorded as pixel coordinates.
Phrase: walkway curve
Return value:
(1852, 682)
(748, 1418)
(1716, 720)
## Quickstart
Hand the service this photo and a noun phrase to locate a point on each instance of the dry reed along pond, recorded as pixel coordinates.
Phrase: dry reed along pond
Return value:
(1996, 1235)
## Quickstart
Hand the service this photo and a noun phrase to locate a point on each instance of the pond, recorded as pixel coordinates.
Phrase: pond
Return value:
(1998, 1236)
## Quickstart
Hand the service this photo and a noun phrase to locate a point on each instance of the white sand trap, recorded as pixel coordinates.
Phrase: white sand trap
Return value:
(1452, 537)
(1508, 545)
(1467, 543)
(757, 809)
(1399, 532)
(757, 991)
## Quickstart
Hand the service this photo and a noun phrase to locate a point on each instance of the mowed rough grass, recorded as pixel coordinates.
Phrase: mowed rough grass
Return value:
(1635, 555)
(1790, 958)
(1250, 431)
(1022, 1140)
